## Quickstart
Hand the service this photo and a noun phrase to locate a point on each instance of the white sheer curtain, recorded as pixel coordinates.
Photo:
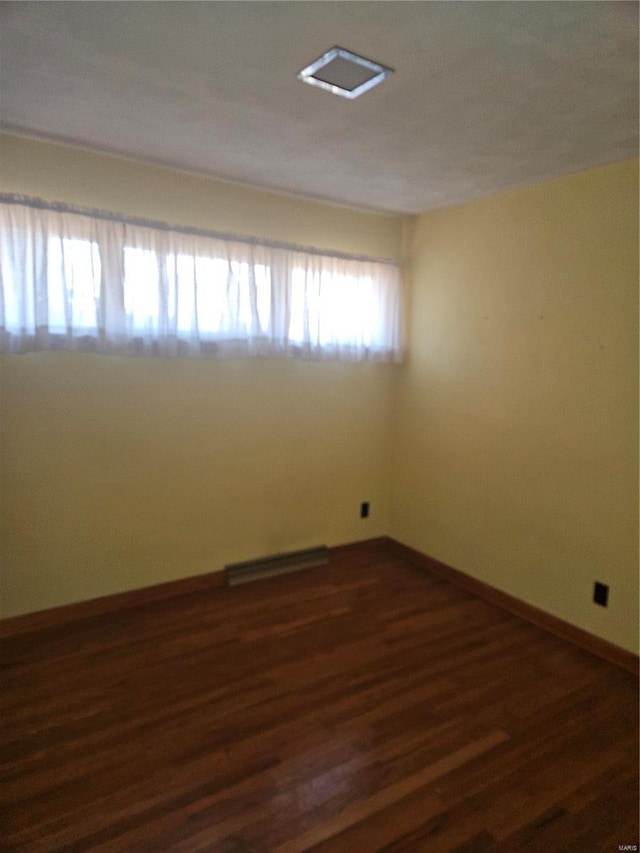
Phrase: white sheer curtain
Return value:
(75, 281)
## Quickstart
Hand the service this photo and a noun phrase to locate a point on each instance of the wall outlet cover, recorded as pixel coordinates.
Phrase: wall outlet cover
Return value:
(600, 593)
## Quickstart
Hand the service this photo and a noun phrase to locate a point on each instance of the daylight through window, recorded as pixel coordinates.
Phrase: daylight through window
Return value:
(74, 281)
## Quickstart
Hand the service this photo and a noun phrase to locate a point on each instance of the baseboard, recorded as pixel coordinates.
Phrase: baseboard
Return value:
(65, 613)
(55, 616)
(360, 545)
(596, 645)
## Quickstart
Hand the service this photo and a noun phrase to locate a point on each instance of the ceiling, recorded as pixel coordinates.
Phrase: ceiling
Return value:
(486, 95)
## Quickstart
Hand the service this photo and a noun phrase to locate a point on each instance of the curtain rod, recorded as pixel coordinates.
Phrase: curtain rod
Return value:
(95, 213)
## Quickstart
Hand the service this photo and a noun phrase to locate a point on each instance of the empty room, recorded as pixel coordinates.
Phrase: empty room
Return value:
(319, 426)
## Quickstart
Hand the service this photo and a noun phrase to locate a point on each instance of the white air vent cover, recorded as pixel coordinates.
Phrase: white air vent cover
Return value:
(344, 73)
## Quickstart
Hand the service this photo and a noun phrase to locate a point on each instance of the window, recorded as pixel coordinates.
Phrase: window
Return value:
(74, 280)
(330, 309)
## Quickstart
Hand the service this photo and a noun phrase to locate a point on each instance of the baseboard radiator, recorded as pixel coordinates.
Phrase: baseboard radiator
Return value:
(279, 564)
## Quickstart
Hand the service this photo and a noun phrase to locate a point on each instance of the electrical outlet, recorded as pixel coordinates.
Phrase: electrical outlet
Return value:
(364, 510)
(600, 593)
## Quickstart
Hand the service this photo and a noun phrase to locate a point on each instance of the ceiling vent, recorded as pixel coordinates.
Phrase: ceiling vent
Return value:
(344, 73)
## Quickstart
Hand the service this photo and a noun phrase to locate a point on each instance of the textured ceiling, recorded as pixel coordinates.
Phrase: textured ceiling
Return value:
(486, 95)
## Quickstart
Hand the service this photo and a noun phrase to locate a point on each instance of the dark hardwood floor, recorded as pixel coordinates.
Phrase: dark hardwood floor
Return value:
(358, 707)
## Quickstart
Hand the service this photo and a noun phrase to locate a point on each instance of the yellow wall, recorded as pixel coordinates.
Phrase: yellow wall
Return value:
(77, 176)
(120, 473)
(515, 451)
(505, 446)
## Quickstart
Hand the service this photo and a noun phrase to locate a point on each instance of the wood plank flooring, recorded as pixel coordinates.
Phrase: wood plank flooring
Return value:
(356, 707)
